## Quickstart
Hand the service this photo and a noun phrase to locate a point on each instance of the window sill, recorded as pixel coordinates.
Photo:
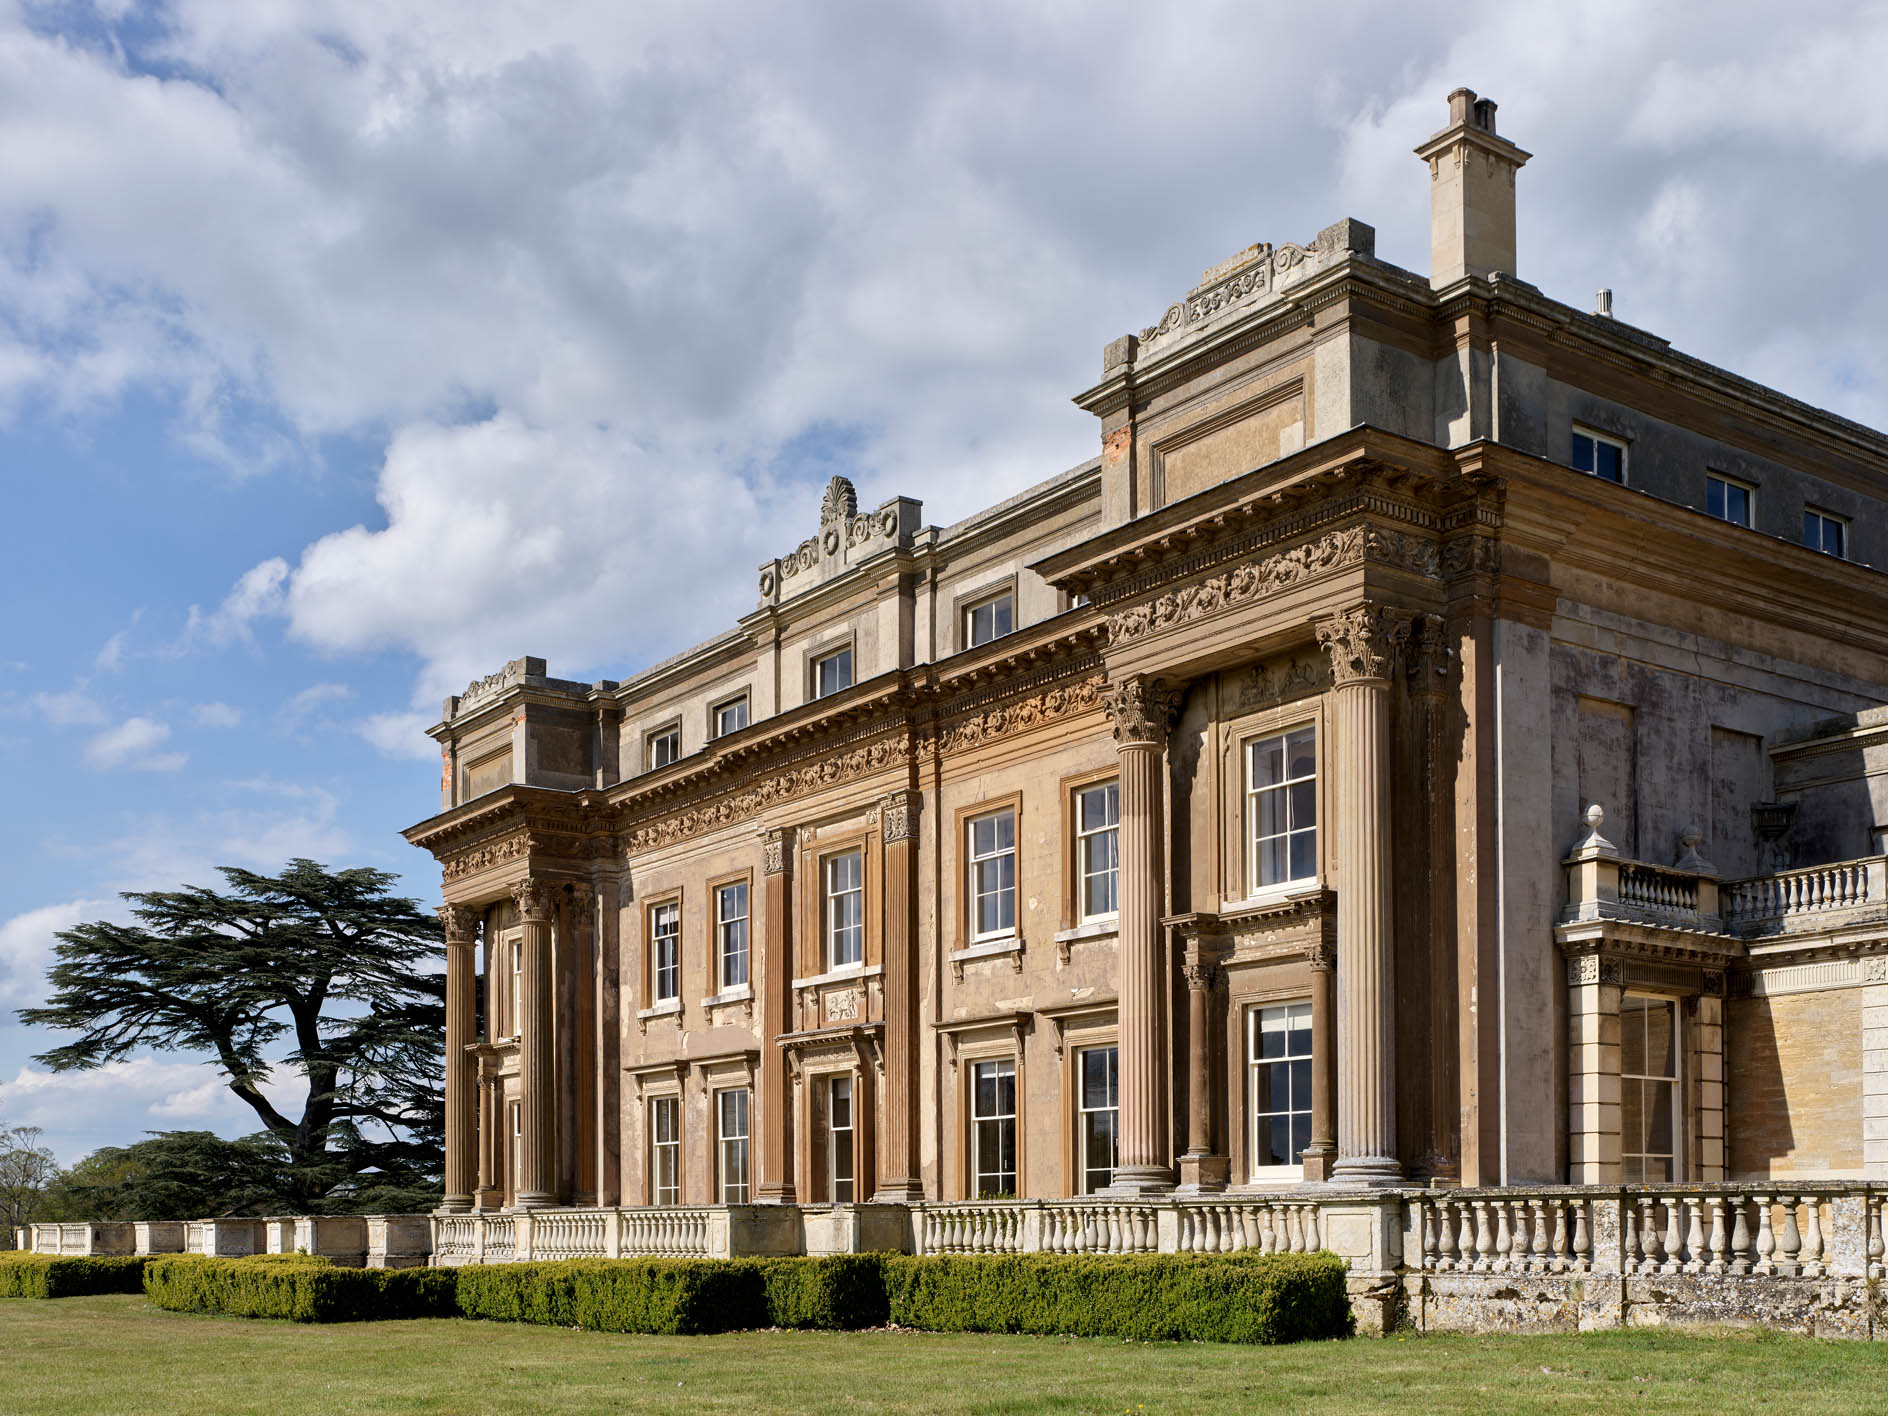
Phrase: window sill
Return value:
(1277, 894)
(1089, 929)
(742, 994)
(845, 974)
(1009, 947)
(668, 1007)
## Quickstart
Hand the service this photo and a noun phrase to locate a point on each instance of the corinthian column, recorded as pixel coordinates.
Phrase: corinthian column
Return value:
(1362, 643)
(1142, 711)
(776, 1018)
(462, 927)
(537, 1072)
(899, 1180)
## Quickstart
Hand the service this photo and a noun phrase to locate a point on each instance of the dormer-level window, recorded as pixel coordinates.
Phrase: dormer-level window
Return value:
(664, 746)
(832, 672)
(1599, 455)
(989, 618)
(1728, 499)
(730, 717)
(1825, 532)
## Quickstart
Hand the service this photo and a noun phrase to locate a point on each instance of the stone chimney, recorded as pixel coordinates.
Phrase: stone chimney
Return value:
(1471, 193)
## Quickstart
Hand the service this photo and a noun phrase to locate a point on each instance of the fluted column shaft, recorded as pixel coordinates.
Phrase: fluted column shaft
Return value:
(775, 1180)
(1141, 710)
(462, 1128)
(899, 1178)
(581, 1099)
(1362, 643)
(537, 1061)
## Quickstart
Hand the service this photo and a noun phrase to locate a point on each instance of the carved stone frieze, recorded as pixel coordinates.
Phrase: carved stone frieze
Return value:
(1141, 710)
(1594, 968)
(1364, 641)
(1281, 570)
(1875, 968)
(1465, 554)
(488, 854)
(1018, 716)
(1268, 685)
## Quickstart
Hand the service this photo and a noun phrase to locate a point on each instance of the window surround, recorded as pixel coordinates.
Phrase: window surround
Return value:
(817, 654)
(725, 1186)
(986, 593)
(651, 740)
(1249, 1014)
(1235, 737)
(967, 1042)
(1248, 863)
(671, 1003)
(744, 700)
(1582, 430)
(1078, 1028)
(967, 943)
(719, 990)
(1825, 519)
(511, 950)
(1679, 1081)
(815, 846)
(967, 1071)
(1068, 791)
(1725, 479)
(672, 1096)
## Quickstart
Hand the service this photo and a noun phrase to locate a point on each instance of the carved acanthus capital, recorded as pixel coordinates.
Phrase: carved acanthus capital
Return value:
(1430, 655)
(461, 922)
(1201, 975)
(776, 846)
(534, 900)
(899, 811)
(1364, 641)
(1141, 710)
(1322, 957)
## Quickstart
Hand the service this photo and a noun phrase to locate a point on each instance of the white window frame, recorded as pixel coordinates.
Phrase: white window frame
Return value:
(1249, 748)
(977, 862)
(653, 747)
(661, 989)
(1294, 1010)
(669, 1150)
(835, 930)
(1827, 519)
(517, 1148)
(999, 1068)
(726, 706)
(731, 1149)
(1087, 840)
(1645, 1081)
(517, 986)
(1728, 483)
(1606, 440)
(839, 1138)
(1005, 597)
(1086, 1175)
(726, 929)
(820, 660)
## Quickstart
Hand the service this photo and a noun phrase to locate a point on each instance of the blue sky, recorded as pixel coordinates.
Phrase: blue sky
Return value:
(348, 350)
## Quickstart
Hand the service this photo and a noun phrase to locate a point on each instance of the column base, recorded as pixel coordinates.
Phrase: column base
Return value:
(455, 1204)
(1367, 1171)
(489, 1201)
(1319, 1163)
(1441, 1174)
(535, 1200)
(1141, 1180)
(899, 1192)
(1203, 1174)
(775, 1195)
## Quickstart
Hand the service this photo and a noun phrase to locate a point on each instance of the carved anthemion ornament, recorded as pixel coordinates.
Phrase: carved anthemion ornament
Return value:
(1363, 642)
(1142, 711)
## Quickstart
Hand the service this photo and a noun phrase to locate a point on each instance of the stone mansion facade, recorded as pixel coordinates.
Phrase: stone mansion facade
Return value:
(1441, 739)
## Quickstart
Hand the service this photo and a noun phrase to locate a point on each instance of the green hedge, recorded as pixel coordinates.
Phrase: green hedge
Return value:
(1151, 1297)
(618, 1295)
(311, 1291)
(843, 1292)
(58, 1276)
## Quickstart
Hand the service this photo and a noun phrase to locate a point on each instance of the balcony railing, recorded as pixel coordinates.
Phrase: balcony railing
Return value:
(1809, 898)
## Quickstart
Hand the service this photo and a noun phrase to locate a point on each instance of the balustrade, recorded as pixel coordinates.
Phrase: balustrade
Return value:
(1506, 1233)
(667, 1233)
(1792, 894)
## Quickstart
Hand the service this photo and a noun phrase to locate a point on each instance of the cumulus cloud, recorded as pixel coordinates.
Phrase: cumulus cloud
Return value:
(215, 715)
(401, 735)
(26, 944)
(256, 595)
(303, 710)
(132, 744)
(118, 1103)
(74, 707)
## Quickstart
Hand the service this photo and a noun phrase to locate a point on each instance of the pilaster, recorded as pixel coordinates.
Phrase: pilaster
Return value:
(899, 1177)
(775, 1179)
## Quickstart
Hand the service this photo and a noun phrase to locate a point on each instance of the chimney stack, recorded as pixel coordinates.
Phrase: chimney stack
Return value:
(1471, 193)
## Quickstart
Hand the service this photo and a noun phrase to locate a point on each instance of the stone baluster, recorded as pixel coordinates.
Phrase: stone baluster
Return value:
(1538, 1252)
(1674, 1236)
(1718, 1262)
(1629, 1235)
(1484, 1239)
(1313, 1238)
(1812, 1258)
(1505, 1244)
(1789, 1239)
(1695, 1254)
(1582, 1257)
(1445, 1236)
(1465, 1241)
(1428, 1226)
(1766, 1238)
(1871, 1206)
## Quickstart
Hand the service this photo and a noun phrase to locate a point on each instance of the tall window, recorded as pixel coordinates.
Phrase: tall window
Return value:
(1278, 1060)
(832, 672)
(665, 952)
(731, 717)
(665, 745)
(839, 1140)
(665, 1151)
(1648, 1089)
(845, 909)
(517, 986)
(517, 1148)
(1282, 808)
(1100, 1106)
(989, 619)
(731, 933)
(1600, 455)
(1728, 500)
(993, 875)
(731, 1140)
(1097, 863)
(993, 1128)
(1825, 533)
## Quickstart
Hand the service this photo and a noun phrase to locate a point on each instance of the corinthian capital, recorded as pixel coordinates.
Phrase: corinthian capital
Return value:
(899, 811)
(1363, 641)
(461, 921)
(534, 900)
(1142, 711)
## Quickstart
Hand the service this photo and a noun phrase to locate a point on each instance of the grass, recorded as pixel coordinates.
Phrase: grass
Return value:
(119, 1354)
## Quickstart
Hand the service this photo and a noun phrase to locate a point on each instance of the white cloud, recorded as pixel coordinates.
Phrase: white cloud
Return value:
(215, 715)
(304, 709)
(111, 654)
(256, 595)
(401, 735)
(130, 745)
(74, 707)
(117, 1103)
(26, 945)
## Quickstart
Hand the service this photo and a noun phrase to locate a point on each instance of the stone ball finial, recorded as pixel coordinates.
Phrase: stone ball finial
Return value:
(1689, 838)
(1595, 817)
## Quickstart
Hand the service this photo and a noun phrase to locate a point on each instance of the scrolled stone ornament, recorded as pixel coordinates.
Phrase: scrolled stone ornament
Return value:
(1141, 709)
(1363, 642)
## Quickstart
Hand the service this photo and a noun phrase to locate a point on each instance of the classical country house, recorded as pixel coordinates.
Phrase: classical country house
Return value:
(1439, 742)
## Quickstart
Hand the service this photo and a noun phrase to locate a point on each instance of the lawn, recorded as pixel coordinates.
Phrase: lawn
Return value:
(118, 1354)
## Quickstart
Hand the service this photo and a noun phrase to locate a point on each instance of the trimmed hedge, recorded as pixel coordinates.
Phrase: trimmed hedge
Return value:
(24, 1275)
(671, 1296)
(1151, 1297)
(311, 1291)
(844, 1291)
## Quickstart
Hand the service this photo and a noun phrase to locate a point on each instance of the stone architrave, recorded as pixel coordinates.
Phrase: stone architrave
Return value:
(537, 1158)
(1142, 711)
(462, 929)
(1363, 642)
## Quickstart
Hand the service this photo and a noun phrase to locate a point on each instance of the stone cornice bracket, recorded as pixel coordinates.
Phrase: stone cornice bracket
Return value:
(534, 900)
(776, 847)
(899, 811)
(1364, 642)
(1142, 711)
(461, 922)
